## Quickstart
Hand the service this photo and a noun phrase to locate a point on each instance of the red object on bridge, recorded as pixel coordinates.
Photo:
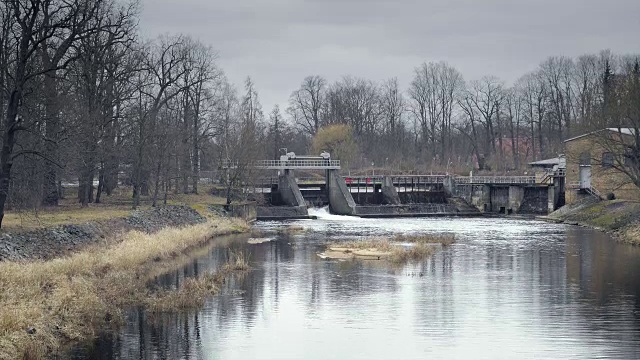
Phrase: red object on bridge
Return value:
(348, 180)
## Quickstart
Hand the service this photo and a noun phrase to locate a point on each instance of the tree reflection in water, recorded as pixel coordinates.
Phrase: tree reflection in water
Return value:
(529, 288)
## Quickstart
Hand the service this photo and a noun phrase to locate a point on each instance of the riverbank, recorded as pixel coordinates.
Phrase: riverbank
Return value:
(49, 242)
(64, 284)
(620, 218)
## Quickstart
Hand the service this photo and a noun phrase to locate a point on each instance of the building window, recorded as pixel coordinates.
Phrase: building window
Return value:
(607, 160)
(585, 158)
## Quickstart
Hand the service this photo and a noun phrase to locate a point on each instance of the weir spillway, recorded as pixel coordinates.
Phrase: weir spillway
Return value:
(419, 195)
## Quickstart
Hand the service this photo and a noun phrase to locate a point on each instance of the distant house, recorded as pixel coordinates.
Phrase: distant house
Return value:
(593, 165)
(559, 162)
(549, 170)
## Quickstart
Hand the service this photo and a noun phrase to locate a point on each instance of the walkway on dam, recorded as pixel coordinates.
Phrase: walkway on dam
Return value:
(416, 180)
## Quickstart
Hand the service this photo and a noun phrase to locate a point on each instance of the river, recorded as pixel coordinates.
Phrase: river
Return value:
(507, 289)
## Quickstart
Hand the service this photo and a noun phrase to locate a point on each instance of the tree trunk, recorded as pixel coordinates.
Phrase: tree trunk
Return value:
(52, 129)
(8, 142)
(100, 185)
(156, 189)
(195, 173)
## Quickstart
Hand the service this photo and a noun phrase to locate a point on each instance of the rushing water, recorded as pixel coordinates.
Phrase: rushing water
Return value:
(508, 289)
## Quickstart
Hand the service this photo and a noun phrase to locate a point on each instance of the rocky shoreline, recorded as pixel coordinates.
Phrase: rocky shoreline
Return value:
(51, 242)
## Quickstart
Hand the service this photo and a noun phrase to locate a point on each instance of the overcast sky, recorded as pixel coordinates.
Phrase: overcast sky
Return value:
(279, 42)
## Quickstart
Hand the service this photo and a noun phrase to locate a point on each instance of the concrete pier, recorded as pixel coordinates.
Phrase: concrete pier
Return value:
(289, 190)
(340, 200)
(389, 194)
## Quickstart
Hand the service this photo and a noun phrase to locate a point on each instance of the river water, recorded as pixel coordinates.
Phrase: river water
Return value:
(508, 289)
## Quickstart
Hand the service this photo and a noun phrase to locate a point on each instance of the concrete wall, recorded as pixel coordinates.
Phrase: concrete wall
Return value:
(410, 197)
(389, 193)
(499, 199)
(508, 199)
(478, 196)
(423, 197)
(315, 197)
(368, 198)
(281, 212)
(289, 191)
(340, 200)
(536, 200)
(516, 195)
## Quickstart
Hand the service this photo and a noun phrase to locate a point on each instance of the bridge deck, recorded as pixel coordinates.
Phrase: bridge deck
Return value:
(302, 164)
(420, 180)
(496, 180)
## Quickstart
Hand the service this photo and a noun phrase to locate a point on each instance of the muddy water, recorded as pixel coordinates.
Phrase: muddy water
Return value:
(508, 289)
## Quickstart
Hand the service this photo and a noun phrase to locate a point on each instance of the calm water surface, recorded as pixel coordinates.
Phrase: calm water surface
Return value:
(507, 289)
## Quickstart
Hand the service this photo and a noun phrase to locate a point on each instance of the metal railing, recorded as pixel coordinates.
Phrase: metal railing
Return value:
(287, 164)
(367, 180)
(298, 164)
(300, 180)
(590, 190)
(496, 179)
(419, 179)
(594, 192)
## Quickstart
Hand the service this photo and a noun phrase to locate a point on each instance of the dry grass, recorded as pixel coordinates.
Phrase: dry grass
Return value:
(389, 249)
(118, 205)
(70, 299)
(292, 230)
(24, 221)
(442, 239)
(238, 261)
(377, 244)
(193, 292)
(417, 252)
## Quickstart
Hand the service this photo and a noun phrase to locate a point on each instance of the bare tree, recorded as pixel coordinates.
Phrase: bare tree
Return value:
(33, 25)
(240, 141)
(434, 92)
(481, 102)
(306, 103)
(164, 67)
(276, 130)
(557, 72)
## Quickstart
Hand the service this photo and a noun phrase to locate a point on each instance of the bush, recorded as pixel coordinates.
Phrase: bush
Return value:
(611, 196)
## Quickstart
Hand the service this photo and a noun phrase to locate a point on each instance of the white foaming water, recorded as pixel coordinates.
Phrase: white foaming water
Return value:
(324, 214)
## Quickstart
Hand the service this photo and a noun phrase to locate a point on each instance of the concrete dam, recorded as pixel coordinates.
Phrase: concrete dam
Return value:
(285, 196)
(397, 196)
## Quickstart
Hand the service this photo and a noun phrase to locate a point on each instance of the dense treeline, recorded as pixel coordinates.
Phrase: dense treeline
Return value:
(443, 122)
(85, 99)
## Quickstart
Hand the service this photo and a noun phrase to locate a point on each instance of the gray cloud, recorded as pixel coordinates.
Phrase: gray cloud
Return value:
(279, 42)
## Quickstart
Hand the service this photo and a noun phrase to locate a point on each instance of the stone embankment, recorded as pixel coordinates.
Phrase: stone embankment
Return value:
(51, 242)
(620, 218)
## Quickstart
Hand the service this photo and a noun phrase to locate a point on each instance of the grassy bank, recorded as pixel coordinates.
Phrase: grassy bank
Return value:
(620, 218)
(118, 205)
(45, 305)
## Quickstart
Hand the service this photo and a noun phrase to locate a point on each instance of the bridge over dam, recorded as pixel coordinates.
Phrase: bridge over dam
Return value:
(289, 196)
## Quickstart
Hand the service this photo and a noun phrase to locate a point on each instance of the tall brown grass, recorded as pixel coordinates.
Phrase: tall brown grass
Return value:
(418, 251)
(390, 249)
(443, 239)
(47, 304)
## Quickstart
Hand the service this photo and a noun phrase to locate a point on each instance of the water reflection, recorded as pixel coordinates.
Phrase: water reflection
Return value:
(507, 289)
